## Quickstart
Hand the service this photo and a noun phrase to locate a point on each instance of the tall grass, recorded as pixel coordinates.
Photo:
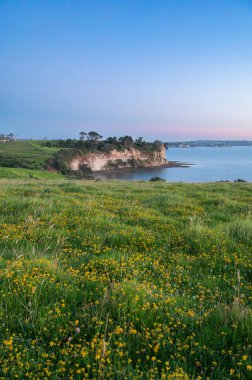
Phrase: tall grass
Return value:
(115, 280)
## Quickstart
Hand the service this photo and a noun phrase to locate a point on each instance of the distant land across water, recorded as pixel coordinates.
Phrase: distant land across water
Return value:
(208, 164)
(208, 143)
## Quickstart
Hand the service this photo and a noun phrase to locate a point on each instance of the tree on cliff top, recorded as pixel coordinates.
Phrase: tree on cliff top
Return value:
(126, 141)
(94, 136)
(82, 135)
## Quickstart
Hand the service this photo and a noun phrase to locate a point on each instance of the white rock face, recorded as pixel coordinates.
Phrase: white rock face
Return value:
(99, 161)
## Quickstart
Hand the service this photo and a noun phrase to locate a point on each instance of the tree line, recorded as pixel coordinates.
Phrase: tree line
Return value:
(93, 141)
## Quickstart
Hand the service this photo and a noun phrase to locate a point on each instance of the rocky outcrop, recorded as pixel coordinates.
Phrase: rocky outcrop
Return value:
(120, 159)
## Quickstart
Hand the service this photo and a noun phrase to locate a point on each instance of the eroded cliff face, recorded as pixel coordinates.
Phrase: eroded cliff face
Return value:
(116, 159)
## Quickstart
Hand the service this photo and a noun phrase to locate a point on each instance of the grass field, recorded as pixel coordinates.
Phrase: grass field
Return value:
(116, 280)
(29, 150)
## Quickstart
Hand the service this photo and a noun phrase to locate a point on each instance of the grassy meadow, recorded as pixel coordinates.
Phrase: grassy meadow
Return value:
(31, 152)
(119, 280)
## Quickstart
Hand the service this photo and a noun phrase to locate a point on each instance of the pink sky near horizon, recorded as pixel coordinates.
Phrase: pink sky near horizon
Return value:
(182, 133)
(186, 132)
(149, 131)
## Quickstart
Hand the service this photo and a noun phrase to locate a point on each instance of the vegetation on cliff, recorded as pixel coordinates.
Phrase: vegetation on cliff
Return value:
(94, 142)
(125, 280)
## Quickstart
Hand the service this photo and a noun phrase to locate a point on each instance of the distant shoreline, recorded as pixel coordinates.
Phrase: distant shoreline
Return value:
(209, 144)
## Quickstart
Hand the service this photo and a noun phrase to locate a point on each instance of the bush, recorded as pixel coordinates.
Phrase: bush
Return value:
(154, 179)
(13, 162)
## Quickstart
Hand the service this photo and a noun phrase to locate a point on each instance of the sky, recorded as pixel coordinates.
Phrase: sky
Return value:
(161, 69)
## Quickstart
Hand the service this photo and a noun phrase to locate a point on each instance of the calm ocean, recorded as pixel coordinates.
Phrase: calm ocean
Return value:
(208, 165)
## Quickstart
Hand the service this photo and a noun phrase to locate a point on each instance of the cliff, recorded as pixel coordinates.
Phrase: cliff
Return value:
(120, 159)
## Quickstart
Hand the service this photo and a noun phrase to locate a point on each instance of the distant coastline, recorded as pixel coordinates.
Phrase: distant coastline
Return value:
(208, 143)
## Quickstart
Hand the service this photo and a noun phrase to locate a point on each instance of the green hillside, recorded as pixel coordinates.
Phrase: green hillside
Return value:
(30, 152)
(116, 280)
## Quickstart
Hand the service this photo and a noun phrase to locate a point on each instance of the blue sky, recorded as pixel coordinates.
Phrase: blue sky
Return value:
(160, 69)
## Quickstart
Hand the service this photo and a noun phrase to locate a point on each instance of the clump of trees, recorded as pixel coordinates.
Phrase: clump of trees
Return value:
(9, 161)
(5, 138)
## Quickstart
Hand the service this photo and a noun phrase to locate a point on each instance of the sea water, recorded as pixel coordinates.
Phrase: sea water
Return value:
(205, 165)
